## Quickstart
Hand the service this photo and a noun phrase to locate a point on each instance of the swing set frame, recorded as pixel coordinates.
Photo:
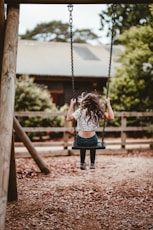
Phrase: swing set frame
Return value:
(102, 144)
(8, 59)
(76, 1)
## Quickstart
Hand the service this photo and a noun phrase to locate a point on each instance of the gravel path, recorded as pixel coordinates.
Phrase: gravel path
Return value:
(117, 195)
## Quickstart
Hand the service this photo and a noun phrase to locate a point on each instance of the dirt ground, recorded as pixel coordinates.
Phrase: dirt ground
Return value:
(117, 195)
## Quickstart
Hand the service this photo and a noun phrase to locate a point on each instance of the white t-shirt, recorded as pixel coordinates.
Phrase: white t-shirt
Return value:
(83, 122)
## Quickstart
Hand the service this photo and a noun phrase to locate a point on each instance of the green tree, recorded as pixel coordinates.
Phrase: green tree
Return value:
(83, 36)
(58, 32)
(30, 96)
(131, 88)
(126, 16)
(27, 96)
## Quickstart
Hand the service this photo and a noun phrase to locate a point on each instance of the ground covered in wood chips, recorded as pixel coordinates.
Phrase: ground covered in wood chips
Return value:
(118, 194)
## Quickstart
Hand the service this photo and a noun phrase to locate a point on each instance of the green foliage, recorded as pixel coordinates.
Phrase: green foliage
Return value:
(151, 9)
(58, 32)
(51, 31)
(33, 97)
(28, 97)
(126, 16)
(131, 88)
(82, 36)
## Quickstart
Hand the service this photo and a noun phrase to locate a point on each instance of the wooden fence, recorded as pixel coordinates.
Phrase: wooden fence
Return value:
(68, 128)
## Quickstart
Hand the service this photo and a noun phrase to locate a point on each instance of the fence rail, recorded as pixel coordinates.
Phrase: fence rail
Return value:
(66, 129)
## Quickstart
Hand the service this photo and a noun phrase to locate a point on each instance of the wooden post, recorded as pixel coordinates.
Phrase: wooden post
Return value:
(65, 136)
(25, 139)
(77, 1)
(12, 188)
(2, 27)
(7, 104)
(123, 133)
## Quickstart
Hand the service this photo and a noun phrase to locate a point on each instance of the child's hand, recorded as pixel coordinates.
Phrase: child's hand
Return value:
(107, 100)
(73, 101)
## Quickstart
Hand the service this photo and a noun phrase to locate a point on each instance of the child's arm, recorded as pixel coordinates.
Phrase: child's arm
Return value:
(69, 116)
(109, 115)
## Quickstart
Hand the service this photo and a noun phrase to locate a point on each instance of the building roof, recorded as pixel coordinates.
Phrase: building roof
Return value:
(54, 59)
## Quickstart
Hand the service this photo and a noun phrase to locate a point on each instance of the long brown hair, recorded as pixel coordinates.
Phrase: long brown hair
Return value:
(94, 109)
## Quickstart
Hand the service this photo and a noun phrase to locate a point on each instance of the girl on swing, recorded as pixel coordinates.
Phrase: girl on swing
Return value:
(87, 116)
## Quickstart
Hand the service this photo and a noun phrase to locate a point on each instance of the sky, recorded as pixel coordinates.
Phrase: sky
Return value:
(85, 16)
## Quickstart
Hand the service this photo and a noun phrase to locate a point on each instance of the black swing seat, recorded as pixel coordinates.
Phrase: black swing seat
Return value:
(100, 145)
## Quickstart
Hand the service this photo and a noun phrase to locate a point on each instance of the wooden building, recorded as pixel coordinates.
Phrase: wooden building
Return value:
(49, 63)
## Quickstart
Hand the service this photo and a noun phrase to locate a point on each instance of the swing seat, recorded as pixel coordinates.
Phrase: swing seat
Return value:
(100, 145)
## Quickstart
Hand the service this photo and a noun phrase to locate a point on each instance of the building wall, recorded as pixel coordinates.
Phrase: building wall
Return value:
(62, 89)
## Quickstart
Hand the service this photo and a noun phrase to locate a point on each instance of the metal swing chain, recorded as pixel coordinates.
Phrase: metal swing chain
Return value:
(111, 46)
(70, 8)
(110, 59)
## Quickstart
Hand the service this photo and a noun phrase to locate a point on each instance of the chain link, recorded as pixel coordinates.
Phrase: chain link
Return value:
(111, 46)
(70, 8)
